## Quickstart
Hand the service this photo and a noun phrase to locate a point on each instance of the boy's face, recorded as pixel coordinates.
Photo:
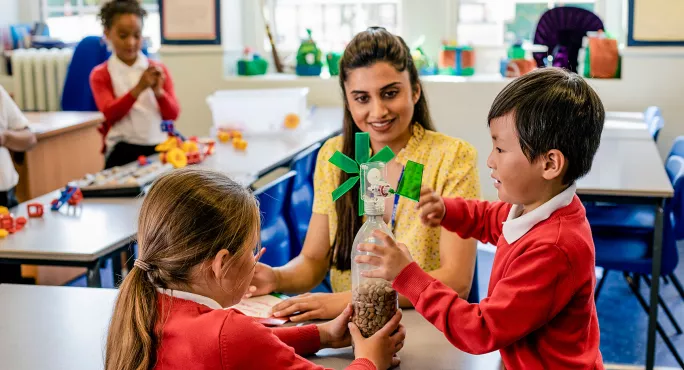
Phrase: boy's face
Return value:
(517, 180)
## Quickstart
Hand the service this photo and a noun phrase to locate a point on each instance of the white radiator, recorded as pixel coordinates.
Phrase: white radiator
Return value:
(39, 76)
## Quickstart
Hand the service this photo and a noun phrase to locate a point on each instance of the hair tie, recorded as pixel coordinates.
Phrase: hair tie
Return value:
(142, 265)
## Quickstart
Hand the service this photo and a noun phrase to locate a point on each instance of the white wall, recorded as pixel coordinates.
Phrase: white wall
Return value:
(10, 11)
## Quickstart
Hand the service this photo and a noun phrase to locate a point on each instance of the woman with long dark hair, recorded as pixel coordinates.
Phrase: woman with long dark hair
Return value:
(382, 96)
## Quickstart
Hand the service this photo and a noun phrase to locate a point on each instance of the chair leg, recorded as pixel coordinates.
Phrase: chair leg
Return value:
(644, 305)
(666, 309)
(665, 280)
(600, 284)
(677, 284)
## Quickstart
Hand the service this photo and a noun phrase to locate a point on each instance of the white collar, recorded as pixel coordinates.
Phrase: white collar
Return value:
(141, 62)
(516, 226)
(191, 297)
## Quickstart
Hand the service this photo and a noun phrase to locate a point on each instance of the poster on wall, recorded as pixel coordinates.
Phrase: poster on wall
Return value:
(195, 22)
(656, 23)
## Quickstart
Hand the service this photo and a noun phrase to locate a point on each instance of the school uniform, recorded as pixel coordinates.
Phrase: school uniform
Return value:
(11, 119)
(132, 126)
(539, 311)
(197, 333)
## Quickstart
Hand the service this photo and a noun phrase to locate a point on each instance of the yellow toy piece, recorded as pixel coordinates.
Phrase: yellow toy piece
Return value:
(239, 144)
(190, 147)
(3, 233)
(223, 136)
(292, 121)
(169, 144)
(177, 158)
(4, 211)
(236, 135)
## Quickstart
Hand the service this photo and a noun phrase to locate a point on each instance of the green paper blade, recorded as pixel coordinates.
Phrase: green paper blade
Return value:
(362, 147)
(345, 163)
(345, 187)
(410, 183)
(384, 155)
(362, 210)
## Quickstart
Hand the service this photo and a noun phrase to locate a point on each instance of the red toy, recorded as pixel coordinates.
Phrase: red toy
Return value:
(71, 195)
(142, 161)
(194, 158)
(34, 210)
(7, 223)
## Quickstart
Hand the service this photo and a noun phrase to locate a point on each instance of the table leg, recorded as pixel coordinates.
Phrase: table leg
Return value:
(93, 275)
(655, 286)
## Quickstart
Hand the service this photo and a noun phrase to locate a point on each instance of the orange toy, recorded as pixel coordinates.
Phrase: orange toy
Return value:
(239, 144)
(223, 136)
(291, 121)
(190, 147)
(76, 198)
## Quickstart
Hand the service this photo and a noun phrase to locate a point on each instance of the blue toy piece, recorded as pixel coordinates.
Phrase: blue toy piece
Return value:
(66, 195)
(168, 127)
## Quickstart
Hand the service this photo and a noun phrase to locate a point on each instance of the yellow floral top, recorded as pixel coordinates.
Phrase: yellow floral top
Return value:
(450, 169)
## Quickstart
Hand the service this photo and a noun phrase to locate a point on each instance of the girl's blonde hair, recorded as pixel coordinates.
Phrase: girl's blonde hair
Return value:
(188, 216)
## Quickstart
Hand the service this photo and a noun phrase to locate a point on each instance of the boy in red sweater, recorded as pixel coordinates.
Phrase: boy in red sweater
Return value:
(540, 313)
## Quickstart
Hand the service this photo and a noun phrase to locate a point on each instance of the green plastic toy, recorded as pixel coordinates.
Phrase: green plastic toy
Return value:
(409, 184)
(309, 61)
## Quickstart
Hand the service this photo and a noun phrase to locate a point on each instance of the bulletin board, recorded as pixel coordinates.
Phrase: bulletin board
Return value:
(656, 23)
(190, 22)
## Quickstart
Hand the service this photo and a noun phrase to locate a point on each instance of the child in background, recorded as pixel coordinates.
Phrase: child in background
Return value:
(540, 313)
(14, 136)
(198, 232)
(134, 93)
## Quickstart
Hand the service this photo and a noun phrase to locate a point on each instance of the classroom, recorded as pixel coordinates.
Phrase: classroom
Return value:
(341, 184)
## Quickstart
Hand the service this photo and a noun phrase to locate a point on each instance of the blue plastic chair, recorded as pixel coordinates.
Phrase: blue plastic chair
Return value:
(677, 147)
(655, 126)
(88, 54)
(628, 217)
(301, 201)
(631, 253)
(275, 231)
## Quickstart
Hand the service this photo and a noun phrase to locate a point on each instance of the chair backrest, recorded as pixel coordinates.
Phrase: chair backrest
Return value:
(88, 54)
(651, 112)
(677, 147)
(675, 205)
(301, 201)
(275, 232)
(655, 125)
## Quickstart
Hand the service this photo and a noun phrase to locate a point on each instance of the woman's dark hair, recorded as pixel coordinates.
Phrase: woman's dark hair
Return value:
(112, 9)
(367, 48)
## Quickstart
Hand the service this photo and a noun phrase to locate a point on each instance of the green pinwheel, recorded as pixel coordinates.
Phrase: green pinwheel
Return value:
(409, 182)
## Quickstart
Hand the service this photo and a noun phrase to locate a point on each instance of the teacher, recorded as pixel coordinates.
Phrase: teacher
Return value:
(382, 96)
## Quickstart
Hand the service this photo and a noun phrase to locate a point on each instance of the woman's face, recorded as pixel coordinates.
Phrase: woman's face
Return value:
(381, 101)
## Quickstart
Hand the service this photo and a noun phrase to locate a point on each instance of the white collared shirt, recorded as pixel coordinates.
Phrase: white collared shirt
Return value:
(191, 297)
(516, 225)
(142, 124)
(12, 119)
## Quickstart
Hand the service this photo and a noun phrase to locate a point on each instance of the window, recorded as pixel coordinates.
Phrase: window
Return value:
(71, 20)
(495, 22)
(333, 22)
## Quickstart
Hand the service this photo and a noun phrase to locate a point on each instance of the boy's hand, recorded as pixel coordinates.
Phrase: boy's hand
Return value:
(432, 209)
(335, 333)
(390, 258)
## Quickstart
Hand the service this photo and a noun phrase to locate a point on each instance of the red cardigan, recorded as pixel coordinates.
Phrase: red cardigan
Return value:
(195, 336)
(114, 109)
(540, 310)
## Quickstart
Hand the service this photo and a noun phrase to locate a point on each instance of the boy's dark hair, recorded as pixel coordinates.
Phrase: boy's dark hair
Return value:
(115, 8)
(554, 109)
